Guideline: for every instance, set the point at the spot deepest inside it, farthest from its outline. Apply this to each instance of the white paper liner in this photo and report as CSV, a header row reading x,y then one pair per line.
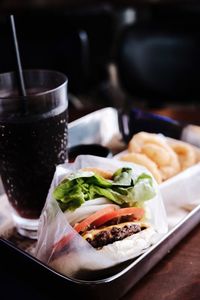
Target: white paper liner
x,y
181,194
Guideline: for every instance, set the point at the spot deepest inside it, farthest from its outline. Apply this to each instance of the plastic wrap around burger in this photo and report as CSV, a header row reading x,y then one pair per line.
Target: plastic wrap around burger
x,y
105,207
99,212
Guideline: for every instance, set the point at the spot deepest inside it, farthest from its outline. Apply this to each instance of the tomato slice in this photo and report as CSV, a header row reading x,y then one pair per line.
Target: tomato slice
x,y
84,225
136,212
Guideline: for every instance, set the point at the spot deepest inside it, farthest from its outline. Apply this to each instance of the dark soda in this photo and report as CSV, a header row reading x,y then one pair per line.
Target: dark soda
x,y
30,150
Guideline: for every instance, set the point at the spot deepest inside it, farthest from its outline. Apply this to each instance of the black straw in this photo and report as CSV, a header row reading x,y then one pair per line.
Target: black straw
x,y
22,89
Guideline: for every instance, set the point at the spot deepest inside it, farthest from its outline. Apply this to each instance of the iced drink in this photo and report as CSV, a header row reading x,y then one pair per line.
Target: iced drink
x,y
32,143
29,152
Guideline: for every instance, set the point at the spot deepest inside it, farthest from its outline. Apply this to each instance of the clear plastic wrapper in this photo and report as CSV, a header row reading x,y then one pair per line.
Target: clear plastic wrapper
x,y
77,256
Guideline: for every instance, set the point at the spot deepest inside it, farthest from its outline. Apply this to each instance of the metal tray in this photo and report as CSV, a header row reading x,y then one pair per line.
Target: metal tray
x,y
28,274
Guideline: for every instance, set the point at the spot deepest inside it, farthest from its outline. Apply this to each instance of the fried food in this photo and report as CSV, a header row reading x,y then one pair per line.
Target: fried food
x,y
157,149
168,171
163,157
172,168
158,154
140,139
186,154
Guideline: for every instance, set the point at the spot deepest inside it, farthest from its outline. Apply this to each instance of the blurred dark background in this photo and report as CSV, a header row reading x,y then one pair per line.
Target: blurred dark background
x,y
117,53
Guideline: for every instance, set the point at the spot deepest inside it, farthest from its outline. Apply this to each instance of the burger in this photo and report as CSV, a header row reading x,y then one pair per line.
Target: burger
x,y
107,209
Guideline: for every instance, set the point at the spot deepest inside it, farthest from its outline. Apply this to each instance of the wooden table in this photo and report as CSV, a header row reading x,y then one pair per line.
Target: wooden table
x,y
186,114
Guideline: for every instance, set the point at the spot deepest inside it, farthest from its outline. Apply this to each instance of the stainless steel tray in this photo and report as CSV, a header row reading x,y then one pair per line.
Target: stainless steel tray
x,y
102,127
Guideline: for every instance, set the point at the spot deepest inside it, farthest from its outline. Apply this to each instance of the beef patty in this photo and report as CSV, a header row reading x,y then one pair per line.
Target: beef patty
x,y
108,235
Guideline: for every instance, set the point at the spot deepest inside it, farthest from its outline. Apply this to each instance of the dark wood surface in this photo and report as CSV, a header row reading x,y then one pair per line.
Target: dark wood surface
x,y
188,114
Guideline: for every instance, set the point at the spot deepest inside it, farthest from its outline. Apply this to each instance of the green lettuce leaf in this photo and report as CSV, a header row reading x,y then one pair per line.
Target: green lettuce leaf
x,y
123,190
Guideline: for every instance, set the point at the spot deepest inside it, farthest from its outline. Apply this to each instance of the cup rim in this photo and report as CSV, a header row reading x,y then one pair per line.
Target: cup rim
x,y
65,82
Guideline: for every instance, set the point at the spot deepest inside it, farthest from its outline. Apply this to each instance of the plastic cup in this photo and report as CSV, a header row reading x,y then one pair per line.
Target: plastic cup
x,y
33,141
